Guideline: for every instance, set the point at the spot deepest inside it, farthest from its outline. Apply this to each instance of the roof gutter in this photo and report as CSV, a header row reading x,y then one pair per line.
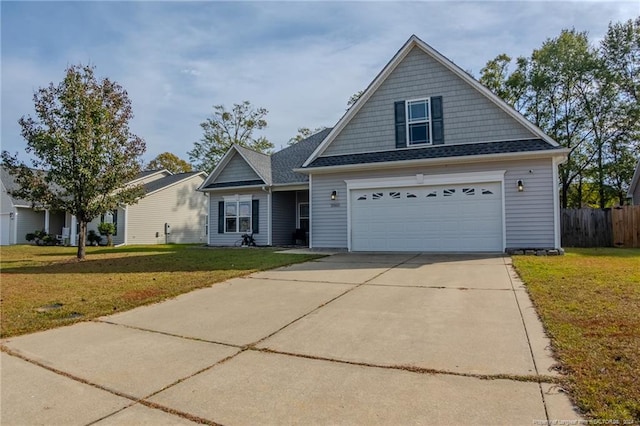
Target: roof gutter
x,y
555,153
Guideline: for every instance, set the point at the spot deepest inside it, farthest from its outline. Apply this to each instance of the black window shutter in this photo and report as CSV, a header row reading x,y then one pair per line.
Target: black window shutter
x,y
401,125
255,216
220,217
437,125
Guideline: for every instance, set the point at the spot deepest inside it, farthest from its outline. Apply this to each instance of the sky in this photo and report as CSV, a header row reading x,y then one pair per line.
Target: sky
x,y
299,60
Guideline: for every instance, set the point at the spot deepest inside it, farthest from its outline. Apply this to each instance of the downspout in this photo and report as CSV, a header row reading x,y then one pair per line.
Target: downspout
x,y
268,191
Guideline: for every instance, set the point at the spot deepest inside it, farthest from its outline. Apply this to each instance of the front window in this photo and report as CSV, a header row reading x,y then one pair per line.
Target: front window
x,y
418,122
303,216
237,216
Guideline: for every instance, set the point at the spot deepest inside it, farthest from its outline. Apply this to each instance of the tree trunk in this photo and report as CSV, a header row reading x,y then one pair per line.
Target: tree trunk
x,y
109,240
82,240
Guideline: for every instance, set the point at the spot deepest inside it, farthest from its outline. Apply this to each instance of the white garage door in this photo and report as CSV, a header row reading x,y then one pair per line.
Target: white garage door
x,y
447,218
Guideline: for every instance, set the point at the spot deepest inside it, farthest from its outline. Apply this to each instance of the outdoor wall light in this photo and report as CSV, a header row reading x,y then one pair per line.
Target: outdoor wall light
x,y
520,185
334,195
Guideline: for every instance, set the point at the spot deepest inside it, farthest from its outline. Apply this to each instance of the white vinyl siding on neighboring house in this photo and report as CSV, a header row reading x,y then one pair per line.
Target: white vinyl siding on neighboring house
x,y
180,205
469,117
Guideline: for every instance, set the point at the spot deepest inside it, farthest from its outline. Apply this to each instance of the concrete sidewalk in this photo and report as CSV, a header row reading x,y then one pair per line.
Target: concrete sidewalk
x,y
348,339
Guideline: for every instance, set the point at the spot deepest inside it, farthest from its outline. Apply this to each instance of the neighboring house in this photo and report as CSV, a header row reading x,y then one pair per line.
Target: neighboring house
x,y
18,217
634,187
427,159
171,211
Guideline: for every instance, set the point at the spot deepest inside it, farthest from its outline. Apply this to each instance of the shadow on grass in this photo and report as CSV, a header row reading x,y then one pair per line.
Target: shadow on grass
x,y
166,259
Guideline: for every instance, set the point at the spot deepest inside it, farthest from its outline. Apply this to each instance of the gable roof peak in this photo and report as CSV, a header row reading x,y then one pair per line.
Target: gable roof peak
x,y
415,42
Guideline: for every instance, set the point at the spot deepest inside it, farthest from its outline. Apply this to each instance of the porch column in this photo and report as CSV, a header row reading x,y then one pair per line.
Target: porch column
x,y
46,221
74,235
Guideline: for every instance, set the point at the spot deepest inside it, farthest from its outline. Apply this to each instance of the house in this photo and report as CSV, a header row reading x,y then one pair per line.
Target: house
x,y
171,211
427,159
634,187
18,217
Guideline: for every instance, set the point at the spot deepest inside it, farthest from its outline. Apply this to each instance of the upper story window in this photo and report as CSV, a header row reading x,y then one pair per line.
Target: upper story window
x,y
418,122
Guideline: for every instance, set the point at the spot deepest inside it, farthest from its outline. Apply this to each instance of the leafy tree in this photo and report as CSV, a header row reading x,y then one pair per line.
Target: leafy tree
x,y
108,229
226,128
80,139
169,161
303,133
586,99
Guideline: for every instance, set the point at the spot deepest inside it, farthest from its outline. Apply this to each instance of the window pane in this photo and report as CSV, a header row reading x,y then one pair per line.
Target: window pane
x,y
231,209
245,224
304,224
231,224
418,110
245,208
418,133
304,210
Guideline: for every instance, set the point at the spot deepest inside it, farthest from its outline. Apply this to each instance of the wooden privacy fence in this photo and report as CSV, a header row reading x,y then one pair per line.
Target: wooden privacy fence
x,y
614,227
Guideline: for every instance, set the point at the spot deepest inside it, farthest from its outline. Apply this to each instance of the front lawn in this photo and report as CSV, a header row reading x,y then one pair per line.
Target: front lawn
x,y
589,302
45,287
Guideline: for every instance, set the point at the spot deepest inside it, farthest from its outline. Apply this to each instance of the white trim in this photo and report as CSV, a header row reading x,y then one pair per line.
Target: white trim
x,y
231,188
504,215
47,218
226,158
428,180
310,211
557,241
426,121
559,153
414,41
298,204
238,199
209,218
125,232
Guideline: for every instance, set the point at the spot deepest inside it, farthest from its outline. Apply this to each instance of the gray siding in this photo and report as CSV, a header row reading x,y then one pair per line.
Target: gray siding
x,y
180,205
216,239
119,237
468,115
236,170
28,220
283,217
528,214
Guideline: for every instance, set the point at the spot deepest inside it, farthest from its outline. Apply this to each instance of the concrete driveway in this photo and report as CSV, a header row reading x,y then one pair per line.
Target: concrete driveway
x,y
348,339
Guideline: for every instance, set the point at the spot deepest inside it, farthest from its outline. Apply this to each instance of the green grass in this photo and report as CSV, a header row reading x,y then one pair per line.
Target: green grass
x,y
112,279
589,302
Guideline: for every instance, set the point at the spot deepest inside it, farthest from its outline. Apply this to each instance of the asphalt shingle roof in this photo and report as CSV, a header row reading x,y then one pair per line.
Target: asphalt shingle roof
x,y
283,162
442,151
260,162
166,181
10,184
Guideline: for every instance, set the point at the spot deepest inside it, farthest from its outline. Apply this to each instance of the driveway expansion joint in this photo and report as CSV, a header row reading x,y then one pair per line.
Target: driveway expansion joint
x,y
420,370
134,400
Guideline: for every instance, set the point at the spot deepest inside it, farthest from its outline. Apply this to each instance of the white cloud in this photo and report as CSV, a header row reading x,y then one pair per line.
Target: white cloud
x,y
301,61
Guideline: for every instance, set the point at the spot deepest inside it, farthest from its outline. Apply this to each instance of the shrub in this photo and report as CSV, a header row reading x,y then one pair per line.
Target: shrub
x,y
93,238
107,229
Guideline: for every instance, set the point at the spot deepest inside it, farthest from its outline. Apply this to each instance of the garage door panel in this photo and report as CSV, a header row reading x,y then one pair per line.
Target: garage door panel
x,y
465,217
